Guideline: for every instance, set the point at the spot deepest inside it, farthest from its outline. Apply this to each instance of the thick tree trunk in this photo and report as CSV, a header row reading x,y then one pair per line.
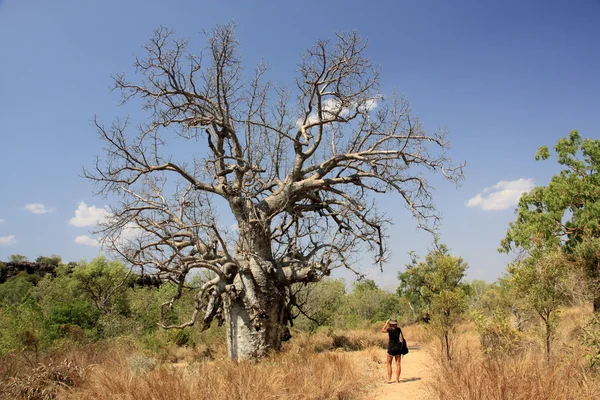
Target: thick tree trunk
x,y
253,336
255,312
255,304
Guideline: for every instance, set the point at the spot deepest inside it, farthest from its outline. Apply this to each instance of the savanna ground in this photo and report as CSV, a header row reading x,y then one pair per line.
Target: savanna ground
x,y
326,365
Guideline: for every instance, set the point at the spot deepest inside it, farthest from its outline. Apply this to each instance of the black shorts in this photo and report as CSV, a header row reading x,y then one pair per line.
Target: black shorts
x,y
394,352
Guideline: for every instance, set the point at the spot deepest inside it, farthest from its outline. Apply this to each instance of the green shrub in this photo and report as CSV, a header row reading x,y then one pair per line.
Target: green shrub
x,y
590,340
21,330
16,290
78,313
498,336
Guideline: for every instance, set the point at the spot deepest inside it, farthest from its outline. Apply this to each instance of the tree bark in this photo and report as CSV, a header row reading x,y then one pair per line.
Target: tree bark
x,y
255,315
447,343
253,336
597,303
548,340
596,287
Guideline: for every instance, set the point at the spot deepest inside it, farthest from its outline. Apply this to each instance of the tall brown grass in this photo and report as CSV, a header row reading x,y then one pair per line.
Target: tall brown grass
x,y
310,367
286,376
524,376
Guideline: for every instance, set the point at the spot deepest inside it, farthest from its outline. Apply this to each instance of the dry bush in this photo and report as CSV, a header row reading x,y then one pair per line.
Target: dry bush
x,y
523,378
572,321
139,364
374,355
42,382
359,339
303,342
524,375
331,340
22,378
9,366
498,336
416,334
202,352
284,376
121,369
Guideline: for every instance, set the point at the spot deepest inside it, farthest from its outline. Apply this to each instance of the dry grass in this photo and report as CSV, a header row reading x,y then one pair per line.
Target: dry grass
x,y
416,334
310,367
524,376
353,340
317,366
307,375
331,340
42,382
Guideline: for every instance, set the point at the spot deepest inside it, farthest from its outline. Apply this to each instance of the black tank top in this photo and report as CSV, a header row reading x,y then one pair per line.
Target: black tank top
x,y
394,343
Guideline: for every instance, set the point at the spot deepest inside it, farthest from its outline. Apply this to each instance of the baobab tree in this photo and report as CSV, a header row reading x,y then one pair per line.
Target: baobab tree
x,y
264,186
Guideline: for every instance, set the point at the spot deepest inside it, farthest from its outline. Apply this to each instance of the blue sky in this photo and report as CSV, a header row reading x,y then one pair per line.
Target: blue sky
x,y
502,77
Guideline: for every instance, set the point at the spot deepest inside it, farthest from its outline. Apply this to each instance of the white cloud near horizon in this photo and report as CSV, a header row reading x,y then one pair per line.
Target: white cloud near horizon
x,y
88,215
502,195
85,240
38,208
8,240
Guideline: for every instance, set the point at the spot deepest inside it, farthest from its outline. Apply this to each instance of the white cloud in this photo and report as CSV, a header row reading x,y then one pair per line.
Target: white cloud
x,y
2,221
38,208
370,104
333,106
85,240
502,195
88,215
8,240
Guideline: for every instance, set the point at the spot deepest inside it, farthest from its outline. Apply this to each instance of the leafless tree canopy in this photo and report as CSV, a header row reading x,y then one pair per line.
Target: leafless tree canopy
x,y
296,167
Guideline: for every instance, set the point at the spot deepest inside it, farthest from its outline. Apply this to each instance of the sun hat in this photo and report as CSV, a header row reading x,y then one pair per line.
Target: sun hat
x,y
393,321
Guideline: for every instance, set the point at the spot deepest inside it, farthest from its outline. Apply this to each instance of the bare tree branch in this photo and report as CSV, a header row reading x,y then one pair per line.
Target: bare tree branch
x,y
262,185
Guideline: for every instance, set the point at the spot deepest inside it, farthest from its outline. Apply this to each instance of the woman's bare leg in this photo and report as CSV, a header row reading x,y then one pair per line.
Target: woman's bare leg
x,y
398,367
389,368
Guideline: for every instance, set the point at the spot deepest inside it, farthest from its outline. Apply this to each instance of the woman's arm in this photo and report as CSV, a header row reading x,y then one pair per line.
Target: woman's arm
x,y
384,329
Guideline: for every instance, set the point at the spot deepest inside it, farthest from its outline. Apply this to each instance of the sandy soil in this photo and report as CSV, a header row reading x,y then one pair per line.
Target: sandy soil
x,y
416,372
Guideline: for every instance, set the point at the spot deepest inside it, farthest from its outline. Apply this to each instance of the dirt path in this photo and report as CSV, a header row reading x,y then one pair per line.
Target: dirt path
x,y
416,372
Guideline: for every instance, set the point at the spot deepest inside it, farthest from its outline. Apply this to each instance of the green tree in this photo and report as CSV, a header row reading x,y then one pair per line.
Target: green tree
x,y
319,303
145,306
414,286
477,290
543,281
436,286
54,259
21,329
64,307
103,282
61,318
17,258
16,290
503,299
368,302
566,212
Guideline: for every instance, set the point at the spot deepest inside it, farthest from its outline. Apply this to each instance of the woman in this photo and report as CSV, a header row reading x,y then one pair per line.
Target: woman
x,y
394,347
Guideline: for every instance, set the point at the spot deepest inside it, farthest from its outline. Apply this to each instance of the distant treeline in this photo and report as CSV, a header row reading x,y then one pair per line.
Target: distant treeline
x,y
10,269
